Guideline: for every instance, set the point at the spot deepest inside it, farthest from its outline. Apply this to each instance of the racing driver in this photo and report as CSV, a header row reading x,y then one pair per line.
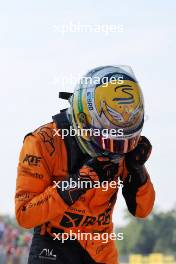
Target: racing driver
x,y
109,101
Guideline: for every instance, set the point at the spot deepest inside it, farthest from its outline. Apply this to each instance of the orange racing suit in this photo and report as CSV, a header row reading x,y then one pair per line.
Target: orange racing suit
x,y
46,158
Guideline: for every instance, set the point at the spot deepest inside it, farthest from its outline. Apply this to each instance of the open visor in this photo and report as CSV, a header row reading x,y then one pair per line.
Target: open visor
x,y
115,145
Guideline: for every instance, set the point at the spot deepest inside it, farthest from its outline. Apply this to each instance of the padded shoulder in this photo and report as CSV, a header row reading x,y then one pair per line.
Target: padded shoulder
x,y
29,134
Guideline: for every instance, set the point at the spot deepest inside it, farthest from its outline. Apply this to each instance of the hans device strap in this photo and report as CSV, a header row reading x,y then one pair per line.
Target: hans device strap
x,y
65,95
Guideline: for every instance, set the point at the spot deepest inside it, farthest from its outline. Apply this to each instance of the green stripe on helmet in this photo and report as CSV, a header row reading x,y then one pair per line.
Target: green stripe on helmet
x,y
80,105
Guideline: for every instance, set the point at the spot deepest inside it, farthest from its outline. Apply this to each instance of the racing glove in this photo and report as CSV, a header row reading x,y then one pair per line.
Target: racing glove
x,y
83,180
135,162
105,169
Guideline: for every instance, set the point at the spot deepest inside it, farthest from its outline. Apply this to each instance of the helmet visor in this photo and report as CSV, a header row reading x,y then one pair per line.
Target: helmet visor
x,y
113,145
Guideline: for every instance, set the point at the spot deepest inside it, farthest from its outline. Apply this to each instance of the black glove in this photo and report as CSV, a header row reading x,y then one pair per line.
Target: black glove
x,y
105,169
135,160
93,170
140,154
77,184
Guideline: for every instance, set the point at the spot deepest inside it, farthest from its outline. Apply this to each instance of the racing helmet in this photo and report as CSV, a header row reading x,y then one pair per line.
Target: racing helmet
x,y
107,99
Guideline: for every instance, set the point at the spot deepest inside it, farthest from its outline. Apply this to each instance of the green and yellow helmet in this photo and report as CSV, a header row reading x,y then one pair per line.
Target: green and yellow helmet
x,y
108,98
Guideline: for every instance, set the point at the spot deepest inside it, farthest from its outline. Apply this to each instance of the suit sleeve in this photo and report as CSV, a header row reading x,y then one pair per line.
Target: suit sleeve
x,y
139,193
36,199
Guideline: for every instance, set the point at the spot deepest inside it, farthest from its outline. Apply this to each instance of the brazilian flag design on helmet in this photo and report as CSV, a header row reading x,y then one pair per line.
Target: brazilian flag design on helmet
x,y
108,98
